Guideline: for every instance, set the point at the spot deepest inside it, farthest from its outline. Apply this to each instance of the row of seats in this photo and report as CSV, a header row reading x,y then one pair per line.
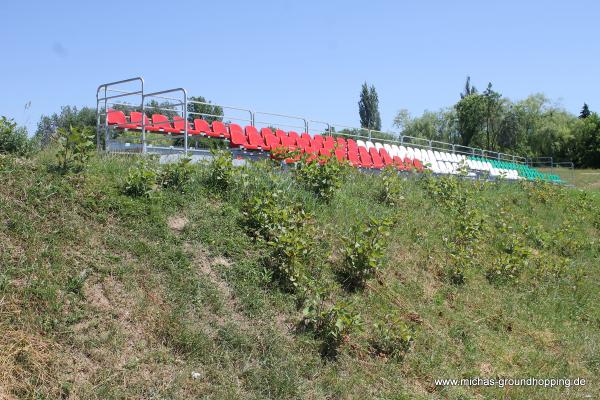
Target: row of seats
x,y
359,153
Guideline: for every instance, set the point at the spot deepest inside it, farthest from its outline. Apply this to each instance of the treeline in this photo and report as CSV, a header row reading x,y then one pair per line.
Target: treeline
x,y
533,127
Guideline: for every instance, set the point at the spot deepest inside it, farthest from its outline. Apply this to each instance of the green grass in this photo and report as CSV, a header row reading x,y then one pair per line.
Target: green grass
x,y
588,179
105,296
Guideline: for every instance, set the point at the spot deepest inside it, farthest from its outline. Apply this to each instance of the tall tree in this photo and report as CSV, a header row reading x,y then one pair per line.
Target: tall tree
x,y
493,116
68,116
368,108
585,111
470,112
204,109
469,89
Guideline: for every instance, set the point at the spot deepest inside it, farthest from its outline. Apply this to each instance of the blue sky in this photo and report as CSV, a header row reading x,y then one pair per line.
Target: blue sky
x,y
305,58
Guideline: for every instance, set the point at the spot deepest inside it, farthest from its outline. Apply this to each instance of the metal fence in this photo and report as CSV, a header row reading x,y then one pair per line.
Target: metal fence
x,y
112,94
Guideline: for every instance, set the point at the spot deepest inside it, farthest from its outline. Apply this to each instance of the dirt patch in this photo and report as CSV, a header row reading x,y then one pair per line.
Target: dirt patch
x,y
177,223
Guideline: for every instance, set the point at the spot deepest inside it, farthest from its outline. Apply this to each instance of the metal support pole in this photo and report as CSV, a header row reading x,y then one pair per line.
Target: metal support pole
x,y
185,123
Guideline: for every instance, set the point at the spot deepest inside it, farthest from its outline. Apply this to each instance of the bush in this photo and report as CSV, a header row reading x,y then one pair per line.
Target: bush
x,y
141,180
510,263
332,324
285,229
391,187
220,171
392,337
364,251
322,175
13,139
76,147
177,175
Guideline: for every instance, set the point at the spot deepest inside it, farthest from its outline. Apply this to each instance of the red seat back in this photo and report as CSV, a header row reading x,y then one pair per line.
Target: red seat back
x,y
387,159
162,122
365,158
115,117
220,129
202,126
237,135
254,137
294,137
352,146
376,158
341,143
178,123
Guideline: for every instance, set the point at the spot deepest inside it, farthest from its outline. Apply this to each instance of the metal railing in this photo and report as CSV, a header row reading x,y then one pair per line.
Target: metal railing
x,y
269,119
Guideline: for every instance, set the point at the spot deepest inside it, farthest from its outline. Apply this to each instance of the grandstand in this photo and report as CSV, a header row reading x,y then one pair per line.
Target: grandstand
x,y
129,119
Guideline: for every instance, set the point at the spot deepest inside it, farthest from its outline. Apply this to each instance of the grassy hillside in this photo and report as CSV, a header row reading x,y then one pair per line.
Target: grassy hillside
x,y
202,290
582,178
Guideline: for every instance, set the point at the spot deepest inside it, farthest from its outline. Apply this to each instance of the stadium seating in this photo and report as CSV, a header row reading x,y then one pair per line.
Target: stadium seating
x,y
358,152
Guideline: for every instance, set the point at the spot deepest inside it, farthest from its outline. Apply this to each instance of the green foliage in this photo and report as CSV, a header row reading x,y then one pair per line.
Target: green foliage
x,y
220,171
392,337
13,139
285,228
368,108
364,251
68,117
322,176
391,187
76,147
176,176
206,111
141,180
470,112
514,255
331,324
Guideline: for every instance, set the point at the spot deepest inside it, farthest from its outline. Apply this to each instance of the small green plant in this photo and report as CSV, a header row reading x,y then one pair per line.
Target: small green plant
x,y
286,230
13,139
322,175
220,171
363,252
76,147
392,337
391,187
141,181
510,263
176,176
331,324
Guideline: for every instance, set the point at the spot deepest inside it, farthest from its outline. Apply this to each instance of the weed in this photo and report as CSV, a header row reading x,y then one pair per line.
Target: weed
x,y
220,171
391,187
331,324
176,176
76,147
364,251
141,180
322,175
392,337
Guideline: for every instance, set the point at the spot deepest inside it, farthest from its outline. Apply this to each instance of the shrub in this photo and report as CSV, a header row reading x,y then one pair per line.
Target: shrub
x,y
391,187
364,252
141,180
220,171
330,324
322,175
392,337
76,147
285,229
177,175
510,263
13,139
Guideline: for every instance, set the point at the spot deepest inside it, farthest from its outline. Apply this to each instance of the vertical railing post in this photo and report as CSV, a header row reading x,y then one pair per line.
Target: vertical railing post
x,y
185,123
143,122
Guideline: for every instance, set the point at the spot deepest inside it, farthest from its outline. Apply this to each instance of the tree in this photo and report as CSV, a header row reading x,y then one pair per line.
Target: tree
x,y
470,112
368,108
69,117
585,111
468,89
434,125
206,110
587,134
493,116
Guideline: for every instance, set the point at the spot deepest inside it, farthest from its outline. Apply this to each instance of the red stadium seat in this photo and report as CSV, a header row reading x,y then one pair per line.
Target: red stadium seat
x,y
270,139
238,138
341,143
352,146
418,165
377,161
408,163
178,124
286,141
162,123
114,117
340,154
135,117
329,142
202,127
255,139
294,136
354,159
317,142
220,130
304,140
387,159
365,158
